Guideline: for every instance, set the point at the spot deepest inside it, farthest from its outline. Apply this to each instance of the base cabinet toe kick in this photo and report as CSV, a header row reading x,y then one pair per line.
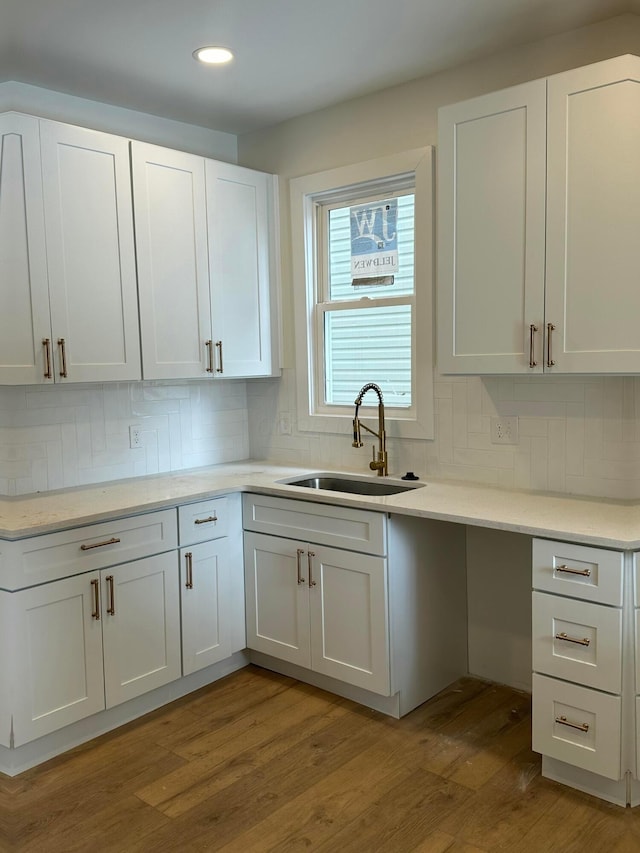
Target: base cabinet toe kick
x,y
586,668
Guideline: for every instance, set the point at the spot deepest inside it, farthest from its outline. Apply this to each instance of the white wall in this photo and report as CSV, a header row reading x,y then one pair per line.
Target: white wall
x,y
578,435
58,106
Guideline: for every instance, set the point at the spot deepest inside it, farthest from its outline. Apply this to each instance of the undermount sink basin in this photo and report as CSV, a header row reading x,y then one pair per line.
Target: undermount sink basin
x,y
352,485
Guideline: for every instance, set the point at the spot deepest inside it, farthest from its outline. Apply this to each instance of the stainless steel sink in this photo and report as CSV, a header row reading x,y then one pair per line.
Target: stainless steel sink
x,y
352,485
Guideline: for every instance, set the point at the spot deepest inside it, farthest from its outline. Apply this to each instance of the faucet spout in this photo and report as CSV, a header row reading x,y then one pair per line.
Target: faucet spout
x,y
378,463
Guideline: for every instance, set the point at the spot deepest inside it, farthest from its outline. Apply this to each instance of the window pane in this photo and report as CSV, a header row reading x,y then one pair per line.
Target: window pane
x,y
368,345
340,278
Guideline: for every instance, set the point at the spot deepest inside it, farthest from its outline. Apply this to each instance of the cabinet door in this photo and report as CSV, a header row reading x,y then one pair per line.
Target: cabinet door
x,y
593,218
141,626
57,650
491,220
92,275
349,617
173,270
277,597
206,605
238,205
24,294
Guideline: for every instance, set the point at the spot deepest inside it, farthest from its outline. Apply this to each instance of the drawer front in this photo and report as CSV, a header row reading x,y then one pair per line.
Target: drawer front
x,y
577,725
96,546
337,526
593,574
577,641
202,521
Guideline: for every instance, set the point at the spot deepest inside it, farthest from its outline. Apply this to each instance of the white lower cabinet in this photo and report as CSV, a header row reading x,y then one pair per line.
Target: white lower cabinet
x,y
211,582
321,608
581,669
354,600
206,620
92,641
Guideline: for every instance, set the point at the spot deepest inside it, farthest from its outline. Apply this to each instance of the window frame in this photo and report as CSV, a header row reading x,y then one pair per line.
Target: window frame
x,y
387,175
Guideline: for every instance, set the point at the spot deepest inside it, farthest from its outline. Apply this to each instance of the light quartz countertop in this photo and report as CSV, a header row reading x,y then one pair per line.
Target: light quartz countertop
x,y
611,524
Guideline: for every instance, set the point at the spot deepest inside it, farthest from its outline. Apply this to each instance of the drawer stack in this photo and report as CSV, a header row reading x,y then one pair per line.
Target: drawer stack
x,y
577,655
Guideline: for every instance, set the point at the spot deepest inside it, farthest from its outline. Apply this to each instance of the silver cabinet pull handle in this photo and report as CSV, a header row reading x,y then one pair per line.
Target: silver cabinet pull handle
x,y
299,553
63,357
111,609
585,641
582,727
584,573
46,343
209,346
211,518
188,558
219,348
96,599
532,330
113,541
310,556
550,328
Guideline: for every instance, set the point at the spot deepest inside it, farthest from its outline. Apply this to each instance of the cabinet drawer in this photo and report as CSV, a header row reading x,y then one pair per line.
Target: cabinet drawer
x,y
203,521
577,641
337,526
83,549
577,725
593,574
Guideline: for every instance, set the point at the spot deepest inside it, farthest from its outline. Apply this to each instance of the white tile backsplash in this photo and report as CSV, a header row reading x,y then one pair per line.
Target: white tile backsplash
x,y
53,437
577,435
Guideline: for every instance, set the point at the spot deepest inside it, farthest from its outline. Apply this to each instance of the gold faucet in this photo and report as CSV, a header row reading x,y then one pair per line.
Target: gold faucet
x,y
379,464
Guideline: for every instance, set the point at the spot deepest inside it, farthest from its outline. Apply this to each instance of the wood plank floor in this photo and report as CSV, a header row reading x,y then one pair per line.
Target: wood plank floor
x,y
259,762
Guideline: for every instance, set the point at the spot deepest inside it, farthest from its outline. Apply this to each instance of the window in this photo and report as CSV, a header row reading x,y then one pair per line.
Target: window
x,y
362,239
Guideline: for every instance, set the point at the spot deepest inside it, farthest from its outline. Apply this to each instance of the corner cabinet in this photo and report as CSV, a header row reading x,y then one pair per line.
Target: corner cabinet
x,y
206,238
530,281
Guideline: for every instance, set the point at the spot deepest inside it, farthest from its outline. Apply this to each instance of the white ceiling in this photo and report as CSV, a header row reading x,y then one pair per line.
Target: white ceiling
x,y
292,56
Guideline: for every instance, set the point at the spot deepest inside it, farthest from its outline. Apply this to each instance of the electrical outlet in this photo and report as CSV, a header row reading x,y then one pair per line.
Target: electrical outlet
x,y
284,423
135,436
504,430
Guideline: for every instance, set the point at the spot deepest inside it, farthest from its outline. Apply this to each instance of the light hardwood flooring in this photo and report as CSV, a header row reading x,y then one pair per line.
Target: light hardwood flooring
x,y
259,762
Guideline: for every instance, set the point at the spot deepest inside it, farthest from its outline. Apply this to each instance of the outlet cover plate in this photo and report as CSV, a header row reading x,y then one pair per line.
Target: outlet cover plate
x,y
504,430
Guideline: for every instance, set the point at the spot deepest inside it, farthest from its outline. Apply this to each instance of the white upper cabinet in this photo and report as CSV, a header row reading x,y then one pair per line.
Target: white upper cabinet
x,y
90,254
498,154
491,218
593,218
24,294
241,252
173,270
204,238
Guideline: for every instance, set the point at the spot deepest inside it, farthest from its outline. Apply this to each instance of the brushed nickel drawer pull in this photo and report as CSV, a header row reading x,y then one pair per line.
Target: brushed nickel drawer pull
x,y
584,642
310,556
46,343
63,357
113,541
219,348
111,609
96,600
299,553
188,558
532,330
211,518
582,727
585,573
550,328
209,346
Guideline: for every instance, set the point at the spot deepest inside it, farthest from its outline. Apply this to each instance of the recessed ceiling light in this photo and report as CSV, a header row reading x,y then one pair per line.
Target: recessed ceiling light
x,y
213,55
